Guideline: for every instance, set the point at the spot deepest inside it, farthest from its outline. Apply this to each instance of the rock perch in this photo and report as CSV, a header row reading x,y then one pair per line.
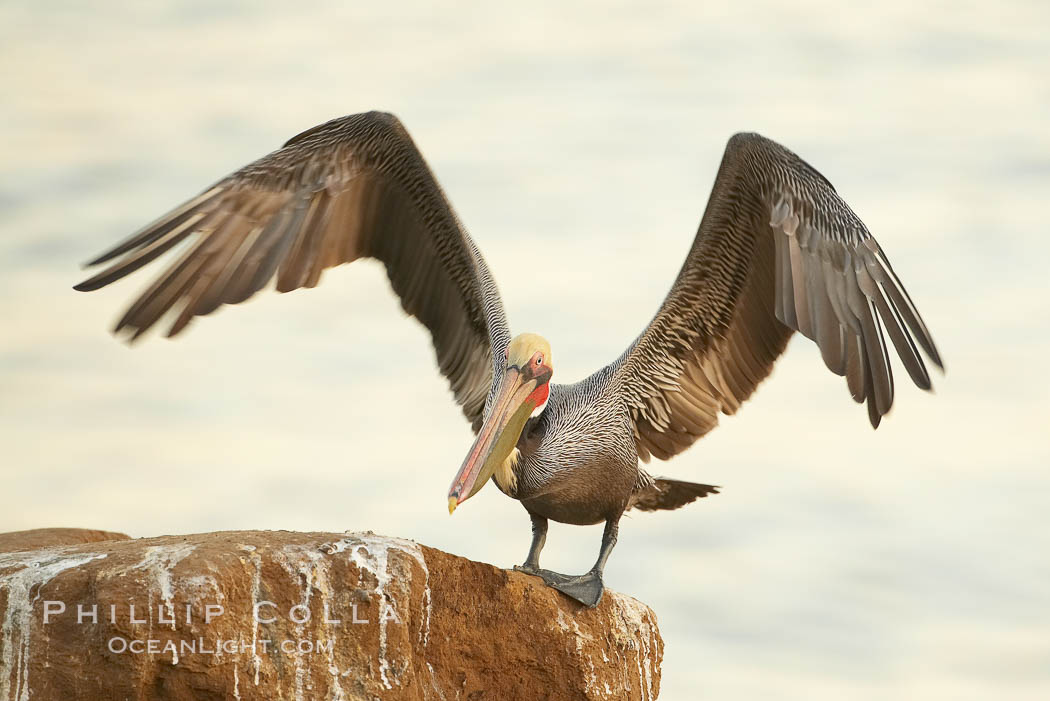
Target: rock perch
x,y
280,615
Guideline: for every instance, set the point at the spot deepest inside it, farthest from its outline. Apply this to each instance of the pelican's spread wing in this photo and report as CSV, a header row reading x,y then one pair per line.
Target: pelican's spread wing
x,y
350,188
777,251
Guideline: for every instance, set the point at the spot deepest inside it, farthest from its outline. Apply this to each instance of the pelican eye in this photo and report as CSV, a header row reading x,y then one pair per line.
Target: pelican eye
x,y
539,360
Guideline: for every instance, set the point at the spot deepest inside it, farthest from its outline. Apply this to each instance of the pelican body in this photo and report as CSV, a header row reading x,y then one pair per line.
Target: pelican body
x,y
777,251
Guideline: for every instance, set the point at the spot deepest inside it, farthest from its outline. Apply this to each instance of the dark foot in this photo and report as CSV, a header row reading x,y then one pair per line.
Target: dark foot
x,y
585,588
551,578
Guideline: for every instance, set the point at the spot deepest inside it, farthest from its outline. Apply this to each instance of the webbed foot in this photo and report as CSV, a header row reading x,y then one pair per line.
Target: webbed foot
x,y
551,578
585,588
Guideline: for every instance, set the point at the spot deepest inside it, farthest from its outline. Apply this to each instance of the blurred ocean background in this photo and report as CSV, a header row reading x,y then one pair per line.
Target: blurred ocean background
x,y
911,562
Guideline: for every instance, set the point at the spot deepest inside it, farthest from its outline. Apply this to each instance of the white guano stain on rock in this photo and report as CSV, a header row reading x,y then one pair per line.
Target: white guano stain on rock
x,y
198,591
633,630
256,586
433,683
634,623
159,560
310,567
579,638
304,564
370,552
202,588
35,569
562,622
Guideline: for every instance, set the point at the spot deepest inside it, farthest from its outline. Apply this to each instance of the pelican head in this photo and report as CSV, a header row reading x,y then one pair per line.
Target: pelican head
x,y
522,393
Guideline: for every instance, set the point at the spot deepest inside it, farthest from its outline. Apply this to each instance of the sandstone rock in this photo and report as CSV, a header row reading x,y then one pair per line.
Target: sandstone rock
x,y
46,537
279,615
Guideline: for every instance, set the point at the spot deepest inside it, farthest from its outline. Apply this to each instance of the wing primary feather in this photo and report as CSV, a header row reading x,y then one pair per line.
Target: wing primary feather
x,y
902,341
159,226
874,415
163,293
798,281
879,370
830,339
206,279
141,257
266,254
827,328
910,314
835,285
814,291
782,277
297,266
216,293
855,363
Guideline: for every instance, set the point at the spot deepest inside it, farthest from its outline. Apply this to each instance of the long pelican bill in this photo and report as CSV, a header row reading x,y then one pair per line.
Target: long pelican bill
x,y
498,436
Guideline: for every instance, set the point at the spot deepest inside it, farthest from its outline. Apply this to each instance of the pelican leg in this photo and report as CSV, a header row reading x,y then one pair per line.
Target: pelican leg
x,y
586,588
532,561
539,538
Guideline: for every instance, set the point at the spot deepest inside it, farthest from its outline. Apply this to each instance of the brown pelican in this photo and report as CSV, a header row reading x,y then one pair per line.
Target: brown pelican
x,y
777,251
